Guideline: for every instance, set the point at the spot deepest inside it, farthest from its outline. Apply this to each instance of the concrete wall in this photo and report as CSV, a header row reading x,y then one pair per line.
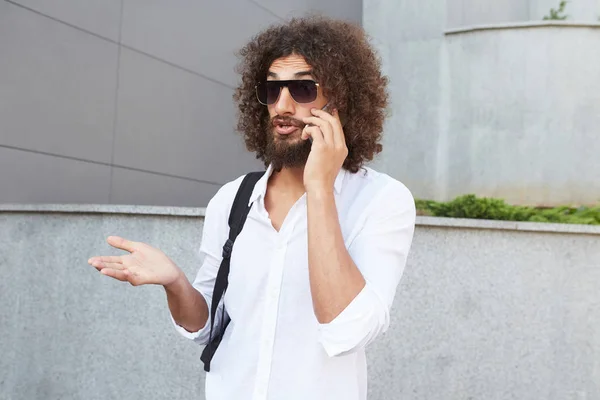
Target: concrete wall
x,y
127,101
474,12
409,36
510,110
524,115
485,310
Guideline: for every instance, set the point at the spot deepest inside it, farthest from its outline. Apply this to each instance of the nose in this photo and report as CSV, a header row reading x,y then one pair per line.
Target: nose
x,y
285,103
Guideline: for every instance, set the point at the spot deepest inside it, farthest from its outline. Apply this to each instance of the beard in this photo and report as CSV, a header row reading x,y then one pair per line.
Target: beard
x,y
286,151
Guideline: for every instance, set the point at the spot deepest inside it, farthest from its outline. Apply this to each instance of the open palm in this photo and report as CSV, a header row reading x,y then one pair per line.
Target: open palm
x,y
143,265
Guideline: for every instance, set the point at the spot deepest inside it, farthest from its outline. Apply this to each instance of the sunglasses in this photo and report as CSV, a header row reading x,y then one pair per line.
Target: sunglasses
x,y
302,91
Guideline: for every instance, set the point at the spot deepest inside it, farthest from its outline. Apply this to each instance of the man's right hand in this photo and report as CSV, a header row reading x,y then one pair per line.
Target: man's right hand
x,y
143,265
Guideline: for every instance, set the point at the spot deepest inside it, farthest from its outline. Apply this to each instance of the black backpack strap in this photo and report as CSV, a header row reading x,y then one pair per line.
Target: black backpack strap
x,y
237,218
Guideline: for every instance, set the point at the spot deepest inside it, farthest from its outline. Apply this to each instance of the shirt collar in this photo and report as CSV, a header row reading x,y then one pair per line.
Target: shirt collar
x,y
260,189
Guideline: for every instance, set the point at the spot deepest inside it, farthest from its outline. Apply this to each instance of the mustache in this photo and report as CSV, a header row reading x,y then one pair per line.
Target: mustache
x,y
287,121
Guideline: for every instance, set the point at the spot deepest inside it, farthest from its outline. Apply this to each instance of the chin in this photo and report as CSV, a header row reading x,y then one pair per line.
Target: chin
x,y
295,137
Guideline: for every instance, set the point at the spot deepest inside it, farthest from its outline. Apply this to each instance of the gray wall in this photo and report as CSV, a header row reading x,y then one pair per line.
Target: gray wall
x,y
510,111
476,12
127,101
485,310
524,115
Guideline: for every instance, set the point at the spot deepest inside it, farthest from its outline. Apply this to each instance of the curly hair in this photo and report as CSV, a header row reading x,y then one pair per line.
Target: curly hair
x,y
345,66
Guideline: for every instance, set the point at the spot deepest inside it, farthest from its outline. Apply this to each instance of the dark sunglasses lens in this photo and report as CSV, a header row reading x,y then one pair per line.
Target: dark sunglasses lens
x,y
303,91
268,92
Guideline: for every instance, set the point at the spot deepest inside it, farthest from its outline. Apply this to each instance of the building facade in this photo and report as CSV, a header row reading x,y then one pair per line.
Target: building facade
x,y
127,101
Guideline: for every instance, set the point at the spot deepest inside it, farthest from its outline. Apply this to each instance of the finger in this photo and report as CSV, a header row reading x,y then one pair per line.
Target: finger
x,y
336,124
121,275
101,265
324,126
123,244
332,118
105,259
338,139
313,132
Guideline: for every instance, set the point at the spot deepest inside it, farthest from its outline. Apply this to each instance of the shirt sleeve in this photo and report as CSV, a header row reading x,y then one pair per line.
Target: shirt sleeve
x,y
214,234
204,283
380,251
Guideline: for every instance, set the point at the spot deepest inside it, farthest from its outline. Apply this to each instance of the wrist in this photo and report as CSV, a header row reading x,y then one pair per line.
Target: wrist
x,y
319,189
178,283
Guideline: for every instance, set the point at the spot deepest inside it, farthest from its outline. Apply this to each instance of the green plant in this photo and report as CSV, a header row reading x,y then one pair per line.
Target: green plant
x,y
556,14
471,206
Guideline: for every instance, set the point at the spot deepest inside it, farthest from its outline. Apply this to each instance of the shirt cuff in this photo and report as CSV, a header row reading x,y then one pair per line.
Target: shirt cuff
x,y
356,326
200,336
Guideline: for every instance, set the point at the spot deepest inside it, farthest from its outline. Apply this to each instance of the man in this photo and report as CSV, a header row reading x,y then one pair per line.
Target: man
x,y
316,266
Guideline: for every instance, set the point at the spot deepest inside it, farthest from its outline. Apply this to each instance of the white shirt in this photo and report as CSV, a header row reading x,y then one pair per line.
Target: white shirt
x,y
274,348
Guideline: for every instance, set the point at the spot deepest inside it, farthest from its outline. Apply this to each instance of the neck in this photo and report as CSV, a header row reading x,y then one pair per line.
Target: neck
x,y
290,180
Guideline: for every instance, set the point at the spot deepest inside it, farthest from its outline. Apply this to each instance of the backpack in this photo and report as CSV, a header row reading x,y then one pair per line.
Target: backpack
x,y
237,218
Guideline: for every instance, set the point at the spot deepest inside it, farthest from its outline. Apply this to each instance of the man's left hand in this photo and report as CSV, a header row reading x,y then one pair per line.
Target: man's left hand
x,y
328,150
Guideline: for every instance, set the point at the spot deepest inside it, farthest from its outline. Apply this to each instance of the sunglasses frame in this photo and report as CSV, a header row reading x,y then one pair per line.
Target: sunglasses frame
x,y
281,88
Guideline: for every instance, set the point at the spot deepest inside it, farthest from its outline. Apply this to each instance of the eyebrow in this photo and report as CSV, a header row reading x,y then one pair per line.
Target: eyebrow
x,y
300,74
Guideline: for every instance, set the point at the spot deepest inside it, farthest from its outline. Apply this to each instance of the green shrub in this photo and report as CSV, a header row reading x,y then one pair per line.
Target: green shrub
x,y
557,14
471,206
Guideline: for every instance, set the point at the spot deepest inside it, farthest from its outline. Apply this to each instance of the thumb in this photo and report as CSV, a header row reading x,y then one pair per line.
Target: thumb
x,y
120,243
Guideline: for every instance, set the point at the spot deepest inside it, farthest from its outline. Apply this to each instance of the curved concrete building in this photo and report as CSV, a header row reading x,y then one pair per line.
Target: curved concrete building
x,y
491,99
